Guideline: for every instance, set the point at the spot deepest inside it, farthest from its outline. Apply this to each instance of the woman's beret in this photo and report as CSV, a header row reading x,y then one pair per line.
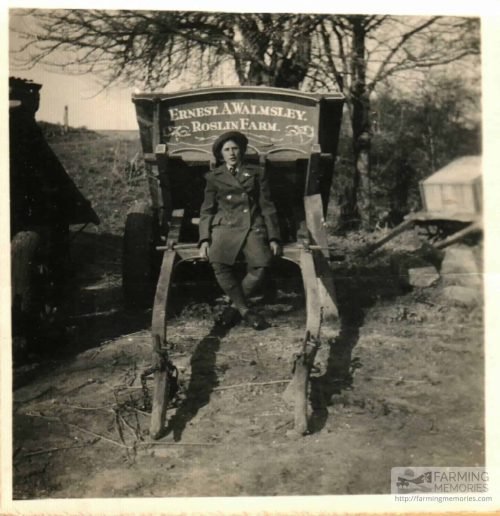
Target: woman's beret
x,y
239,138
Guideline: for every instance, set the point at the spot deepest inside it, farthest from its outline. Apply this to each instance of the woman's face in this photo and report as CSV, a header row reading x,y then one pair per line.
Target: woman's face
x,y
231,153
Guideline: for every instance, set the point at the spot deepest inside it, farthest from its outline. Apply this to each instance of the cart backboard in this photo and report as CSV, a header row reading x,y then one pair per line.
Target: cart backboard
x,y
284,128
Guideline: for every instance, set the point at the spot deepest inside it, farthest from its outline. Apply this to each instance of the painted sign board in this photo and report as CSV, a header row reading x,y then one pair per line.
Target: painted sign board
x,y
274,120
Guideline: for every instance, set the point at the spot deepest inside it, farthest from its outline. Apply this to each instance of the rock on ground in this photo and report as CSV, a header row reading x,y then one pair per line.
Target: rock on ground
x,y
423,276
463,296
461,266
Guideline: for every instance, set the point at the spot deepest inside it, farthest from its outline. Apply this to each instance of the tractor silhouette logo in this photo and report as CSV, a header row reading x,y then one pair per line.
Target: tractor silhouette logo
x,y
411,483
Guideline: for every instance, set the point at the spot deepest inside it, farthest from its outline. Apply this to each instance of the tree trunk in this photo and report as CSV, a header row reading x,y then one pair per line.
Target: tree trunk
x,y
362,178
287,76
400,192
361,130
284,71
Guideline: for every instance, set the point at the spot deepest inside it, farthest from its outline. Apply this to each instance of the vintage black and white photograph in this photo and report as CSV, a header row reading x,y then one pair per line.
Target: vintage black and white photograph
x,y
246,253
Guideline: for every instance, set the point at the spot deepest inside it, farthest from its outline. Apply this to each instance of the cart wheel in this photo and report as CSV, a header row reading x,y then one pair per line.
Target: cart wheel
x,y
38,320
138,278
27,277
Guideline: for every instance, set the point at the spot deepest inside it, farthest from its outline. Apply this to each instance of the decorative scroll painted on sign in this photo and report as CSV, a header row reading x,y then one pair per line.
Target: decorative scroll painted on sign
x,y
265,122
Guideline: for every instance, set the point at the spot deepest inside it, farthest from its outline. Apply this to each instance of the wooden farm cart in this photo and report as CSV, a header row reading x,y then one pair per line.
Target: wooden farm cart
x,y
452,202
294,136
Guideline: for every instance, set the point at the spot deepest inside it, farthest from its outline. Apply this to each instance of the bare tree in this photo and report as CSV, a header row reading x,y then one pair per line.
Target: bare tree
x,y
155,47
352,54
359,52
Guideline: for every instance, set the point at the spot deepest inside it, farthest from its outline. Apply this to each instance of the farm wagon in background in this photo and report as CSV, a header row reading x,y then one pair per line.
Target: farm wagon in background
x,y
293,135
452,205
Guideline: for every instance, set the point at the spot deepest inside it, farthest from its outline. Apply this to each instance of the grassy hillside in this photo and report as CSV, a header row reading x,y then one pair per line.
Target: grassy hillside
x,y
100,166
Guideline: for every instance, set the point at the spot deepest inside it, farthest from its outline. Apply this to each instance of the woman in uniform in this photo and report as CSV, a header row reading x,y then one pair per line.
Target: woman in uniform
x,y
238,219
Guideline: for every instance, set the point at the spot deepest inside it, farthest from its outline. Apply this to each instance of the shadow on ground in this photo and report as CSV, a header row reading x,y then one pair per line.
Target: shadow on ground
x,y
358,288
203,381
95,309
90,312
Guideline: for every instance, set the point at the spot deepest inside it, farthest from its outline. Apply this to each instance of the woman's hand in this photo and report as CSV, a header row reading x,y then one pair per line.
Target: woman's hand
x,y
204,250
275,248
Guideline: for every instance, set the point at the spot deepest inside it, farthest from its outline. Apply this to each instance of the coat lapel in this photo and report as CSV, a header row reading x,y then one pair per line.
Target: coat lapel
x,y
224,176
245,177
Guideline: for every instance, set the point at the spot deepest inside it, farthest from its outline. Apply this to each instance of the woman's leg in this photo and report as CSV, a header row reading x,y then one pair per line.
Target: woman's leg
x,y
253,279
226,278
229,283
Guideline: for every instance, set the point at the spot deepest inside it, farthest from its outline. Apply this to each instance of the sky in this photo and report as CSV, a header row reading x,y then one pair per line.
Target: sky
x,y
88,105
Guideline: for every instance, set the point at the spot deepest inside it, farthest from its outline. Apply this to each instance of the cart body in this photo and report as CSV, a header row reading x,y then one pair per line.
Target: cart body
x,y
294,136
284,128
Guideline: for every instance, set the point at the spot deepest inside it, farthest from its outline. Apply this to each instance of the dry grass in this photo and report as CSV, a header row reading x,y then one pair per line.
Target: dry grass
x,y
100,167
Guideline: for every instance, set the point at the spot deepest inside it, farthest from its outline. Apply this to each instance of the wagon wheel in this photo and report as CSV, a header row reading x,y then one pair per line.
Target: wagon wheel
x,y
24,256
33,310
436,230
139,271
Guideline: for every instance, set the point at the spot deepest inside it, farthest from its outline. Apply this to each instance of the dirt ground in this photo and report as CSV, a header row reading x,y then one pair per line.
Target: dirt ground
x,y
399,381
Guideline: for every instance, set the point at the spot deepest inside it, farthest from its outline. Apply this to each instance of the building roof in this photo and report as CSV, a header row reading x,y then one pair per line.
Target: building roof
x,y
462,170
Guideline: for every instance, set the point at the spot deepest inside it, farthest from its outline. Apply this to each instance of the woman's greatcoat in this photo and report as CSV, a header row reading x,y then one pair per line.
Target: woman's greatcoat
x,y
238,214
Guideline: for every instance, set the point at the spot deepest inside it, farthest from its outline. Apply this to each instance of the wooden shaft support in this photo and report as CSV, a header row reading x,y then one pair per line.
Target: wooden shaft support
x,y
159,330
306,357
459,235
320,305
395,232
159,341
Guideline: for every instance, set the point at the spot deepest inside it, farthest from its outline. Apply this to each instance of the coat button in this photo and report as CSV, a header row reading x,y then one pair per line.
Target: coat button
x,y
228,197
245,210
